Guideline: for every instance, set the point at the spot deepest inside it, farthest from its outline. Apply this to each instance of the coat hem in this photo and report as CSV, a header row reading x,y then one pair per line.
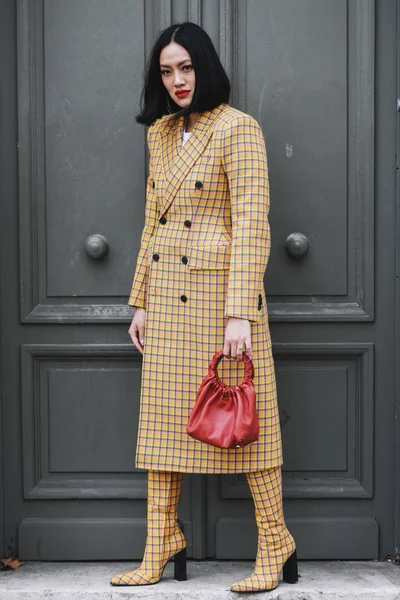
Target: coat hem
x,y
174,468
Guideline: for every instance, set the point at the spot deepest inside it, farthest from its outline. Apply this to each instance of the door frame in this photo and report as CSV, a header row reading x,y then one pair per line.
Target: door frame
x,y
9,195
396,474
8,75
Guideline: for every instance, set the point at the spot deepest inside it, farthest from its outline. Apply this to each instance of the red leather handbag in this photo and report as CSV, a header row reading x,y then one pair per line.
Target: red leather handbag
x,y
225,416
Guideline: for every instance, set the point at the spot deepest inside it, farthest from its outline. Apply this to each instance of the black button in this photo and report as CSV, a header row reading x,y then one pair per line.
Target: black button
x,y
183,298
163,220
154,185
156,257
184,260
198,185
188,223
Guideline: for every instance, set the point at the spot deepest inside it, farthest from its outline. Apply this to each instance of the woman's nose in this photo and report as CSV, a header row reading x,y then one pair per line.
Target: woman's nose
x,y
178,78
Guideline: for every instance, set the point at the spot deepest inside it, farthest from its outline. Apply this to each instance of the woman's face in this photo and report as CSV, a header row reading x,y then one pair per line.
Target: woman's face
x,y
177,74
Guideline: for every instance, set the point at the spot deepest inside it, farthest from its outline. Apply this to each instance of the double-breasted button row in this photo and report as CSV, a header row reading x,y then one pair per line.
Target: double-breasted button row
x,y
186,223
184,259
198,185
156,258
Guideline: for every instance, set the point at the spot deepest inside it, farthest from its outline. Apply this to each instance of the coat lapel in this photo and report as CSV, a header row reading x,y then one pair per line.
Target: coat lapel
x,y
177,160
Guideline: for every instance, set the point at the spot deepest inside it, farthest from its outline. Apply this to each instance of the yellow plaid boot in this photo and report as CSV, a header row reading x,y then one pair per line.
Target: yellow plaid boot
x,y
276,546
165,539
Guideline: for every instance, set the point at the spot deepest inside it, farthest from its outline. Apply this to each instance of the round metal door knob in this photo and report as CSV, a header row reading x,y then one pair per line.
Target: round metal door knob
x,y
96,246
297,245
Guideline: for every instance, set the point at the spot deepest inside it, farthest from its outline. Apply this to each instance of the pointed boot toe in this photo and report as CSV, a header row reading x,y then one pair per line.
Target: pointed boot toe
x,y
135,577
237,586
116,579
253,583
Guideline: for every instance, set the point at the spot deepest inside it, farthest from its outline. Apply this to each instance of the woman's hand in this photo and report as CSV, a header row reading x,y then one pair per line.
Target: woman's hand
x,y
136,330
237,335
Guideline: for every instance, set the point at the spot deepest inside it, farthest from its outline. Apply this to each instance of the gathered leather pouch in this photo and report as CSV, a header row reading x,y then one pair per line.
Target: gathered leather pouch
x,y
225,416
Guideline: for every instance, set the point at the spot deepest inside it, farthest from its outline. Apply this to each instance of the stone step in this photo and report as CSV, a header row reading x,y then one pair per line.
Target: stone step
x,y
209,580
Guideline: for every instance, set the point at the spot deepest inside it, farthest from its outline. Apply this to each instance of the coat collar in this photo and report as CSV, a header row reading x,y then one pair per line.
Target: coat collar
x,y
175,122
177,160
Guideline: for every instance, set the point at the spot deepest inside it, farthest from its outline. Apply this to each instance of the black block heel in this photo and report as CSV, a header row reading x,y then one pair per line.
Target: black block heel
x,y
290,571
180,566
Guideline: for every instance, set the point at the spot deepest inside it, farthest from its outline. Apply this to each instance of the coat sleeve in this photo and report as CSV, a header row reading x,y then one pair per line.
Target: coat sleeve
x,y
139,286
245,164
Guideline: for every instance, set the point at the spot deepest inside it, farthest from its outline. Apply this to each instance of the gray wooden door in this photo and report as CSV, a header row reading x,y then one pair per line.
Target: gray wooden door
x,y
307,70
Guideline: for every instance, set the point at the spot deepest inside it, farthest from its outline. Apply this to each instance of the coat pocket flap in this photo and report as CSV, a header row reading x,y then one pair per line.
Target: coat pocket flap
x,y
209,257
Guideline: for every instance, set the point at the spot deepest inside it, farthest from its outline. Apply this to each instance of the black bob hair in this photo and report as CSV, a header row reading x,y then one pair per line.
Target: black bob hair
x,y
212,83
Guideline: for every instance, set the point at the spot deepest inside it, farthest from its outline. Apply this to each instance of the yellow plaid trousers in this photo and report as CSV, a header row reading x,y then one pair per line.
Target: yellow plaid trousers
x,y
203,254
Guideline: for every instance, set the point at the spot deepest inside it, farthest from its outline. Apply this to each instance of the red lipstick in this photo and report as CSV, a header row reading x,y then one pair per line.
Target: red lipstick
x,y
182,94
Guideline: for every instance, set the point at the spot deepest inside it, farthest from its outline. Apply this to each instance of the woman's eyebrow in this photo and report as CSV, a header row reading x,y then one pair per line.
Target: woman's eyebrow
x,y
179,64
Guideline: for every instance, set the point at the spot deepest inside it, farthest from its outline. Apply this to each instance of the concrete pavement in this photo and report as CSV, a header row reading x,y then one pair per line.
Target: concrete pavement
x,y
210,580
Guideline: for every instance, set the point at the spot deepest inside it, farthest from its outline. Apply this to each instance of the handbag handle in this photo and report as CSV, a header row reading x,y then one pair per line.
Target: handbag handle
x,y
248,363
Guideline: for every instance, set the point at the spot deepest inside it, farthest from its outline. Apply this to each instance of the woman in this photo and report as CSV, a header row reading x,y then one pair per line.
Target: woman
x,y
198,286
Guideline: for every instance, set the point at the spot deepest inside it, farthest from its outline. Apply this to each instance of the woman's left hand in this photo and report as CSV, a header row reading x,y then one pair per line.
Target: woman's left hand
x,y
238,339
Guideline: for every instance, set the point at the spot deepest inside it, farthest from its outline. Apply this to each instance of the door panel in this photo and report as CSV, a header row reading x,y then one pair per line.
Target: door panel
x,y
308,78
307,96
80,79
79,423
300,95
82,172
91,89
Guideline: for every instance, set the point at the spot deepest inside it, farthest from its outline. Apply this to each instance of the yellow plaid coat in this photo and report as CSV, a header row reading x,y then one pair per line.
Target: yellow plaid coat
x,y
204,250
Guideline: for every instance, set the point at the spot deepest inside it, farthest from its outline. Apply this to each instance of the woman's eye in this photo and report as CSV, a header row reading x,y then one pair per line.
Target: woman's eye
x,y
164,72
188,67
